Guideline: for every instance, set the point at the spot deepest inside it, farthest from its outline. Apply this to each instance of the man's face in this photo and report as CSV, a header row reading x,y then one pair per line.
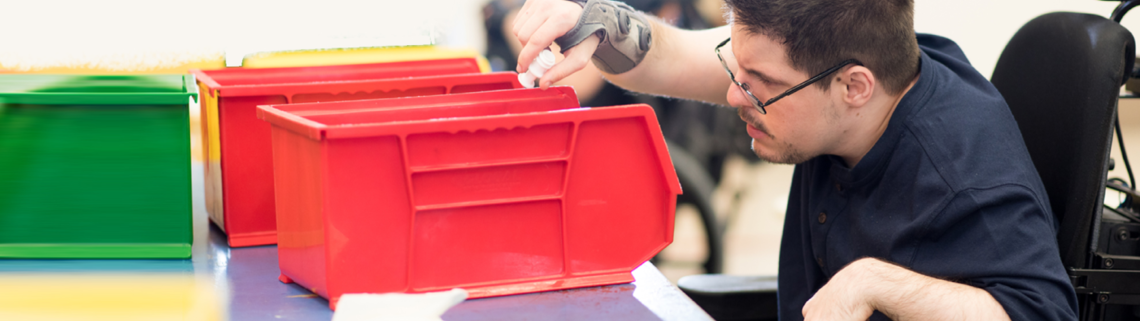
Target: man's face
x,y
797,127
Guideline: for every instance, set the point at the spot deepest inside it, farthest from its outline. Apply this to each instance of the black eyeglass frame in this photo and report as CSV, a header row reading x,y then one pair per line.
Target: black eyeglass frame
x,y
756,101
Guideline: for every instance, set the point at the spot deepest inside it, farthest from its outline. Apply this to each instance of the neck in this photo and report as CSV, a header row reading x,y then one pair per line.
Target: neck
x,y
867,132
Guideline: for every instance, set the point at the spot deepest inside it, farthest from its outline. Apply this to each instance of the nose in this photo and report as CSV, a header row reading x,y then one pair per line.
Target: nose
x,y
736,98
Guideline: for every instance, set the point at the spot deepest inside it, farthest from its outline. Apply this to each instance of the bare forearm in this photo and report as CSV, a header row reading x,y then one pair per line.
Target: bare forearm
x,y
680,63
905,295
867,285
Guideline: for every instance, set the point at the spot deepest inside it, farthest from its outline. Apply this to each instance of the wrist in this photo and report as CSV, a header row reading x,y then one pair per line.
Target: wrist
x,y
870,275
624,35
879,279
889,285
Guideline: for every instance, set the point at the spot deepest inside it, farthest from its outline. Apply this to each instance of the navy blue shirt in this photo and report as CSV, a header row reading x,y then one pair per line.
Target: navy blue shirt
x,y
948,191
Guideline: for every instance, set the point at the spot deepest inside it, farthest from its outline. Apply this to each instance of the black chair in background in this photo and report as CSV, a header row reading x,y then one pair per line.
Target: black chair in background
x,y
1061,75
698,188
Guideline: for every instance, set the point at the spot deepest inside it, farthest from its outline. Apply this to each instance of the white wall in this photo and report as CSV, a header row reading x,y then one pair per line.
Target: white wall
x,y
41,32
982,27
45,33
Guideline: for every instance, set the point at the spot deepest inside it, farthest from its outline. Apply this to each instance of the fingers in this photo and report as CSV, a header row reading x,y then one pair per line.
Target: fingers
x,y
540,40
808,308
527,55
576,59
524,13
554,27
533,24
530,16
538,23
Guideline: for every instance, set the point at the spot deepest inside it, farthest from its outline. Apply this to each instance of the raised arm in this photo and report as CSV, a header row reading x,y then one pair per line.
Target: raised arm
x,y
679,63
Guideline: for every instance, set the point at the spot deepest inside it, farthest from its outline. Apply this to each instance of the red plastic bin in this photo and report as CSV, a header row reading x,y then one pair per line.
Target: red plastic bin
x,y
499,193
239,179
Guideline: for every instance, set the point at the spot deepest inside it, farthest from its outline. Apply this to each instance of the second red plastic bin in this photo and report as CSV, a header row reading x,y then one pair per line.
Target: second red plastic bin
x,y
499,193
239,176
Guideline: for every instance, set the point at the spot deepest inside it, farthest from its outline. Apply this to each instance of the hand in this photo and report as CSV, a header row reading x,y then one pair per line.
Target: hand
x,y
844,297
538,23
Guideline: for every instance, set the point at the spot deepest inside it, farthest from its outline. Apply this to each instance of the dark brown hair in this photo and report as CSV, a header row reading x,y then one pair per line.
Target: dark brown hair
x,y
821,33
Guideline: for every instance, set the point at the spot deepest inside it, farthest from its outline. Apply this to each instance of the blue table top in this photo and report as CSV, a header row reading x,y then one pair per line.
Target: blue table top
x,y
247,278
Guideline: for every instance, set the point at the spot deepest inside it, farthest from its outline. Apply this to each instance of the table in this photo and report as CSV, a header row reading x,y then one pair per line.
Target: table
x,y
246,278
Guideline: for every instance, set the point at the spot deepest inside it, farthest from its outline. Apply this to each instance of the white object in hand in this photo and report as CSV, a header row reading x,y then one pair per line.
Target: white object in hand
x,y
537,68
397,306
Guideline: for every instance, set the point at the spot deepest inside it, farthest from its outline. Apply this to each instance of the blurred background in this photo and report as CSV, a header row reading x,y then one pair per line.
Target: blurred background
x,y
749,198
122,33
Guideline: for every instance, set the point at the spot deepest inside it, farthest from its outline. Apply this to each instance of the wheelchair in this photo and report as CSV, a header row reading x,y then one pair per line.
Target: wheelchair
x,y
1064,71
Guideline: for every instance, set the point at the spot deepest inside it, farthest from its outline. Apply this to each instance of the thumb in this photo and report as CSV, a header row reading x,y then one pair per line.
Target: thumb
x,y
576,59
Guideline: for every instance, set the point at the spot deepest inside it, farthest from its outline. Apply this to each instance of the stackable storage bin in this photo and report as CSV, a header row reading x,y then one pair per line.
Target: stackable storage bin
x,y
95,166
239,175
499,193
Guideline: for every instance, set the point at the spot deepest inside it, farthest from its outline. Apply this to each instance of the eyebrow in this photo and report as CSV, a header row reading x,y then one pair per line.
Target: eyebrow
x,y
762,76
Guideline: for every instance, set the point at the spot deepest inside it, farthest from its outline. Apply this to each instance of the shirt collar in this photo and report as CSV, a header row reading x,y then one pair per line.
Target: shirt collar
x,y
872,164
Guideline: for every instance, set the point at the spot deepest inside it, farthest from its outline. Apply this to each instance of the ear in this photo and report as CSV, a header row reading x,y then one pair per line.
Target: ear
x,y
857,85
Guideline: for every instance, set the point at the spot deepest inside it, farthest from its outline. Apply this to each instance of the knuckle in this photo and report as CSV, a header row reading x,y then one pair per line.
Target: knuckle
x,y
581,60
566,24
544,37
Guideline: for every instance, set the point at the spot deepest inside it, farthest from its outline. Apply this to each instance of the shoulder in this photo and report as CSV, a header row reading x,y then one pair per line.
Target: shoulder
x,y
982,202
945,64
964,131
941,46
963,124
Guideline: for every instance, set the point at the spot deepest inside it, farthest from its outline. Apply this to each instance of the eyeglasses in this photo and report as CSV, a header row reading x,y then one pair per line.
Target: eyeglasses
x,y
756,101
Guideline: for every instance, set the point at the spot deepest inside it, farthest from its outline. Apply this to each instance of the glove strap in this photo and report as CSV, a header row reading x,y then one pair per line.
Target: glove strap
x,y
624,35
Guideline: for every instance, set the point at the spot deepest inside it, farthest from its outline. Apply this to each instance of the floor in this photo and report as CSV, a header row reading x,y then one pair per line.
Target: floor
x,y
751,200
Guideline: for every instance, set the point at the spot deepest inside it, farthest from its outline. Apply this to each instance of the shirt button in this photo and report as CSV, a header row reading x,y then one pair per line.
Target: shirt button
x,y
819,260
839,187
822,217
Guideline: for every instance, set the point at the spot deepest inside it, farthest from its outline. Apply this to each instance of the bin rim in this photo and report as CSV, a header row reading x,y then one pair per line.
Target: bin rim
x,y
207,77
342,86
321,132
186,90
295,116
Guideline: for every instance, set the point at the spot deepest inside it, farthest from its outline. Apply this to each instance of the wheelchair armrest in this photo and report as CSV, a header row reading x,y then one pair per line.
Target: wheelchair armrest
x,y
731,297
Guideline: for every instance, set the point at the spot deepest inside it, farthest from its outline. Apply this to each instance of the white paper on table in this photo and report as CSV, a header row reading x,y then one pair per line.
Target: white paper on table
x,y
397,306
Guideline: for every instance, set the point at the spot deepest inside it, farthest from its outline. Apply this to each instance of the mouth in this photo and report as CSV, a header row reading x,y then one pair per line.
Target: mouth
x,y
756,133
756,129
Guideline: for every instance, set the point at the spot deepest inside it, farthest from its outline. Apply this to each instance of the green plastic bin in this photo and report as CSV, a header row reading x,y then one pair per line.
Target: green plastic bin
x,y
95,166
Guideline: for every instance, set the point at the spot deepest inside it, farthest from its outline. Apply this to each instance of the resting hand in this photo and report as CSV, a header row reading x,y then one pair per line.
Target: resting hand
x,y
843,297
538,23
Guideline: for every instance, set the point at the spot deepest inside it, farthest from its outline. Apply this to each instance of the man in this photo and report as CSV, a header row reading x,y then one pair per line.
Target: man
x,y
913,198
